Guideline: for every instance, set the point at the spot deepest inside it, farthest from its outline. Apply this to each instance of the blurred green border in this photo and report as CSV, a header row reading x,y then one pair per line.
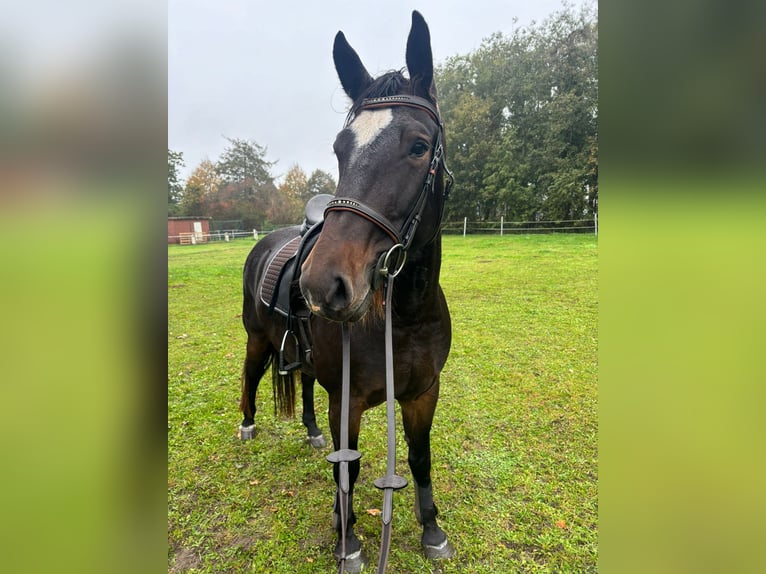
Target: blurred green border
x,y
681,306
681,374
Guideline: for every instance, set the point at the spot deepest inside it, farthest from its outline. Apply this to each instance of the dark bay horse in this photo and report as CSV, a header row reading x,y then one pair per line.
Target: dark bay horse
x,y
390,198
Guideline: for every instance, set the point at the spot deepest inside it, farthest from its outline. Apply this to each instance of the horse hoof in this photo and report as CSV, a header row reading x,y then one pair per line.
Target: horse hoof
x,y
441,551
246,433
356,562
317,441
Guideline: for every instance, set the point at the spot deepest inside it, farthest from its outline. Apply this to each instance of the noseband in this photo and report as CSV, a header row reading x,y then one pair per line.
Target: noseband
x,y
402,237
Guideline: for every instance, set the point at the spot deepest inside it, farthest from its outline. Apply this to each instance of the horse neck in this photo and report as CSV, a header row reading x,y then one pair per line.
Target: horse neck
x,y
416,287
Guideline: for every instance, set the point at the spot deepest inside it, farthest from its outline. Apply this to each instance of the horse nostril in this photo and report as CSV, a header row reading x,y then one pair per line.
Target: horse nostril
x,y
339,296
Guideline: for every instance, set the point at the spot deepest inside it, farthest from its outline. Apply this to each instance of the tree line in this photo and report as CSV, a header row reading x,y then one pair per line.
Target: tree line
x,y
522,122
521,114
240,186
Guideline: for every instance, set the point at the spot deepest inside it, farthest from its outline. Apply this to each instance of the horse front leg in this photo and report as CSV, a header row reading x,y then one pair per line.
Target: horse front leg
x,y
417,416
348,546
315,436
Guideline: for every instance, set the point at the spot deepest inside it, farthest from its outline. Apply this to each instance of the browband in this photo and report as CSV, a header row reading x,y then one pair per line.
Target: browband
x,y
399,100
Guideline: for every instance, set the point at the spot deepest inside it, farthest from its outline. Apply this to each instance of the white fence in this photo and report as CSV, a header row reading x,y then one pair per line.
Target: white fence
x,y
465,227
503,227
195,238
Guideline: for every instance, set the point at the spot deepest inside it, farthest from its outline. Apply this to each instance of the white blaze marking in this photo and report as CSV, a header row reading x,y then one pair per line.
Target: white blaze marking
x,y
368,125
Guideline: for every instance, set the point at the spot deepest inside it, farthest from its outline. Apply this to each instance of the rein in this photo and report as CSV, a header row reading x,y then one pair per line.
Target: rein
x,y
391,481
389,266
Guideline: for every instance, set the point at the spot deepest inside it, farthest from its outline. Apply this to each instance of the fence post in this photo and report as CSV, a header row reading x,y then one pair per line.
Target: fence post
x,y
501,225
465,223
255,235
595,222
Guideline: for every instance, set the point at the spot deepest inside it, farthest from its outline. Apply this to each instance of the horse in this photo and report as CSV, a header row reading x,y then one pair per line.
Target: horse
x,y
383,222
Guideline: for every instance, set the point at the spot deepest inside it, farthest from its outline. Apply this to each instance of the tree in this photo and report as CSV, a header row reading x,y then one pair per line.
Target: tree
x,y
288,203
243,162
201,188
470,143
247,187
175,189
319,182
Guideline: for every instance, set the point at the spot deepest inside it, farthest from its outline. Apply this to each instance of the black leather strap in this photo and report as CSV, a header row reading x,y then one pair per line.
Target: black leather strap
x,y
391,481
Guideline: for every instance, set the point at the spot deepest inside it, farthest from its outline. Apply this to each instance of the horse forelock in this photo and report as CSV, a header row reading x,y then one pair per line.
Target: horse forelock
x,y
389,84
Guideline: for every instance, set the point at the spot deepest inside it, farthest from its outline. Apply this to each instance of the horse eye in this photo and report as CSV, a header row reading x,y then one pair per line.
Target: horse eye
x,y
419,148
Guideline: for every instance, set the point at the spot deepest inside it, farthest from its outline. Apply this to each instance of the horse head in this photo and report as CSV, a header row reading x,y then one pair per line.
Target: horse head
x,y
391,179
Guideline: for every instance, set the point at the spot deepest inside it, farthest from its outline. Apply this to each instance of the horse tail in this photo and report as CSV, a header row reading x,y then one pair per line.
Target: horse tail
x,y
283,387
284,391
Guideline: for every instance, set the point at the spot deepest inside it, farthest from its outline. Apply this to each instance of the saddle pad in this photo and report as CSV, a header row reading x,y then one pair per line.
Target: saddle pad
x,y
274,268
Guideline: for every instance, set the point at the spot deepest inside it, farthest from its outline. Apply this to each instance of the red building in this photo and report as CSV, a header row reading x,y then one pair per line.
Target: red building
x,y
188,230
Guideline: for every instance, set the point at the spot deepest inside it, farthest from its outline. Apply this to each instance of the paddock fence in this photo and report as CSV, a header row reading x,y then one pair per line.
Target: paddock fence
x,y
224,232
502,227
231,229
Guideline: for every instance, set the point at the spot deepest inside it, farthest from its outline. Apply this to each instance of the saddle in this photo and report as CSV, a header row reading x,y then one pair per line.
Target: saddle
x,y
279,289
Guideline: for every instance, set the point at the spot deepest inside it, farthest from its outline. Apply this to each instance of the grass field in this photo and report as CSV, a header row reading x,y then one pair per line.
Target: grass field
x,y
514,439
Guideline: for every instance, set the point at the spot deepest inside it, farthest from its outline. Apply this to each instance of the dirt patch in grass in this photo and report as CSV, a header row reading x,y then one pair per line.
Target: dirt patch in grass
x,y
184,560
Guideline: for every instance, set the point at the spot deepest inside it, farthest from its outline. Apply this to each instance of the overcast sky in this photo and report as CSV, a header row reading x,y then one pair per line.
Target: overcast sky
x,y
263,70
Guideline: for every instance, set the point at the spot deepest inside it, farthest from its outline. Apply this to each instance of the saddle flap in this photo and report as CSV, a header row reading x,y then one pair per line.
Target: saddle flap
x,y
278,289
272,282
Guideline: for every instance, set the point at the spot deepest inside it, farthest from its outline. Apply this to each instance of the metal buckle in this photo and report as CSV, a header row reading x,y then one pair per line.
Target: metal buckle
x,y
384,265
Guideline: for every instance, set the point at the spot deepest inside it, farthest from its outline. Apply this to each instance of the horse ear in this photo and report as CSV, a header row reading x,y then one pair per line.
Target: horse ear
x,y
351,72
420,62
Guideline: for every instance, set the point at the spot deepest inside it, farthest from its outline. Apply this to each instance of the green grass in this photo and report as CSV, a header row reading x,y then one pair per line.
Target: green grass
x,y
514,440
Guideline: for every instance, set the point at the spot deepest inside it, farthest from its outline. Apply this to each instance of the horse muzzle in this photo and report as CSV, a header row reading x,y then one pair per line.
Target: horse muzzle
x,y
336,281
335,295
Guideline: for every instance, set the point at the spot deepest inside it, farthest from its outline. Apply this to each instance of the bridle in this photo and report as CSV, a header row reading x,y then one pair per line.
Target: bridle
x,y
402,237
386,270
